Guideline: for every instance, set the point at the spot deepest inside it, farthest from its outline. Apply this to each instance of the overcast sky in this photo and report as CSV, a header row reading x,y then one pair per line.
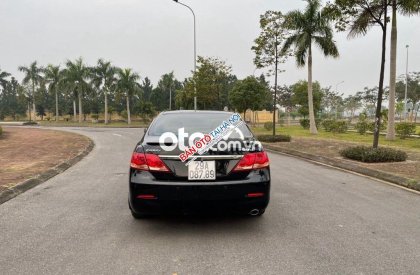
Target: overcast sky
x,y
155,36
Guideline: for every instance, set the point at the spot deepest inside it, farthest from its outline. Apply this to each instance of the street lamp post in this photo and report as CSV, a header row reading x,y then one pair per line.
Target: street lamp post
x,y
406,86
195,50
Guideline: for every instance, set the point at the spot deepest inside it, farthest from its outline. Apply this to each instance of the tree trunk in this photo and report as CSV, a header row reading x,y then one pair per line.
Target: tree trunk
x,y
106,105
29,111
56,105
80,106
170,98
74,110
275,88
312,124
393,75
33,100
381,81
128,111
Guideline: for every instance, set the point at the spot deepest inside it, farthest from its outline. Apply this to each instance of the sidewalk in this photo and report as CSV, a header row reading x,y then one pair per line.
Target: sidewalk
x,y
326,151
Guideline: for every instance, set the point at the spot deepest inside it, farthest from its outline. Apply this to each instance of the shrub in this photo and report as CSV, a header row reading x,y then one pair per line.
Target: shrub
x,y
94,116
371,126
335,126
328,124
340,127
362,127
369,154
405,129
1,131
304,122
276,138
124,114
268,126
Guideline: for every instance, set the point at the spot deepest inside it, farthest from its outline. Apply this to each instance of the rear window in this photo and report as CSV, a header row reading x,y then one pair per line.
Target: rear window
x,y
193,122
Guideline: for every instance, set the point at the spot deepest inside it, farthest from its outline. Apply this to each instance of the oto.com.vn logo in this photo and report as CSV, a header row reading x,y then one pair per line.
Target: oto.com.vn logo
x,y
227,136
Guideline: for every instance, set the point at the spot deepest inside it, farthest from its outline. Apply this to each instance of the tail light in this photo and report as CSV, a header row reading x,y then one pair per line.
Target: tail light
x,y
148,162
252,161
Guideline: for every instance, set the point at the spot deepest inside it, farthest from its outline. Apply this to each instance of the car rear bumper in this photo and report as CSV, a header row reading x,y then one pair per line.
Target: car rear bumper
x,y
220,197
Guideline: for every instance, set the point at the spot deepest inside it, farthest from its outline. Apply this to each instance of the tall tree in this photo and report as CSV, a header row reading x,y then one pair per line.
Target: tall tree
x,y
405,7
127,85
300,97
360,16
413,93
212,81
147,88
352,103
53,77
3,78
310,26
33,75
10,100
76,76
249,93
267,49
163,96
103,76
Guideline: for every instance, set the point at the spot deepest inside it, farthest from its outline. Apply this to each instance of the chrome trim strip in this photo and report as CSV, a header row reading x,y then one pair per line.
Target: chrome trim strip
x,y
204,157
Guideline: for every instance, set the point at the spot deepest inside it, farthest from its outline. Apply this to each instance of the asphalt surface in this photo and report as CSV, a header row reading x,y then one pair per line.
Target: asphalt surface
x,y
319,221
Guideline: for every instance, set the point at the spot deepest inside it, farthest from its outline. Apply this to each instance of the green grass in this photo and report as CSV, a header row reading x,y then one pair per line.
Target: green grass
x,y
134,124
297,131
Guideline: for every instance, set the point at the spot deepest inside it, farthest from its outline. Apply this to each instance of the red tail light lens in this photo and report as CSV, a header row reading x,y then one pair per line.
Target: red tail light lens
x,y
252,161
261,160
155,163
148,162
138,161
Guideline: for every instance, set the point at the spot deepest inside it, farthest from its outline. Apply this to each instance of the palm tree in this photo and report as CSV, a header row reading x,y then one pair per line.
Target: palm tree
x,y
127,84
307,28
3,80
33,75
53,76
103,76
364,15
76,77
405,7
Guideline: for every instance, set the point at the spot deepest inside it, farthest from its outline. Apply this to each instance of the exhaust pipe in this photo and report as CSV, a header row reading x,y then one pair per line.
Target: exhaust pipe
x,y
254,212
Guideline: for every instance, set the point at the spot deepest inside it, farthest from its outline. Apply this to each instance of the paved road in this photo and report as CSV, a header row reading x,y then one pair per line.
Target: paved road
x,y
320,221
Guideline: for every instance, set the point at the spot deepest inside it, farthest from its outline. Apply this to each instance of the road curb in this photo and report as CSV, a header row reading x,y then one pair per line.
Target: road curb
x,y
43,177
348,166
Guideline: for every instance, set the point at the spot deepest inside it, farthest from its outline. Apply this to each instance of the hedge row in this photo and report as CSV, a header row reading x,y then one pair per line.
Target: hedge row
x,y
369,154
276,138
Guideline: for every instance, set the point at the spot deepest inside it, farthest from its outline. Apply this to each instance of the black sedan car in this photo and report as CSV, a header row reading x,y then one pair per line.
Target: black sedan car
x,y
168,174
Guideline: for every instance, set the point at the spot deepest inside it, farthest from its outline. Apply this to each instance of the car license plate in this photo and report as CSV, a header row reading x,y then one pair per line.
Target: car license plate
x,y
202,170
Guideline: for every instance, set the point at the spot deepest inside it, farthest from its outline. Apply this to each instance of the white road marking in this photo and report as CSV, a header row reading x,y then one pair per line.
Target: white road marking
x,y
118,135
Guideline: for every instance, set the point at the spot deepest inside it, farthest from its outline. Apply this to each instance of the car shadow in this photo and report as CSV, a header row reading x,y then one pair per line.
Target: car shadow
x,y
199,224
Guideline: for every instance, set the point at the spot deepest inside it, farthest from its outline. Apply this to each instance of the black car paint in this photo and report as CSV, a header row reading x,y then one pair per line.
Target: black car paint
x,y
175,194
